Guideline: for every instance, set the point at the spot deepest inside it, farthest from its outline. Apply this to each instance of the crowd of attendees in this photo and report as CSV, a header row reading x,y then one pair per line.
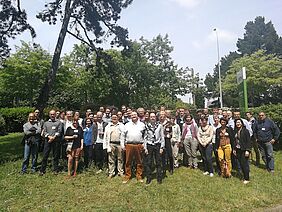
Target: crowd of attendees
x,y
126,140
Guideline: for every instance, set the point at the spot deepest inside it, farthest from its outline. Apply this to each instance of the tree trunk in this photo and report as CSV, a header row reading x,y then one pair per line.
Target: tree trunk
x,y
49,81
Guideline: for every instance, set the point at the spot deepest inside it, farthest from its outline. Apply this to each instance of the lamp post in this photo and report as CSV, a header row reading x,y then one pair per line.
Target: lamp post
x,y
219,74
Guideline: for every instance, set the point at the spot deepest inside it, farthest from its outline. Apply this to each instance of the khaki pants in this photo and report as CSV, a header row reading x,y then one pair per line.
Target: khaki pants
x,y
224,153
116,151
133,151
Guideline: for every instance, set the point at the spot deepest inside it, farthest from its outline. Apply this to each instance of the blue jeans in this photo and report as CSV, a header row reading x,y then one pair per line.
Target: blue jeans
x,y
206,153
266,150
33,150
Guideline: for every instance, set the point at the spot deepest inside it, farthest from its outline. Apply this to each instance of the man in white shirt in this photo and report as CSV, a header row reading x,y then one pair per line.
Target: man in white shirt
x,y
133,138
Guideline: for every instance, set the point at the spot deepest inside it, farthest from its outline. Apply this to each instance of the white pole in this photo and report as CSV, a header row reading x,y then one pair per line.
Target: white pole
x,y
219,74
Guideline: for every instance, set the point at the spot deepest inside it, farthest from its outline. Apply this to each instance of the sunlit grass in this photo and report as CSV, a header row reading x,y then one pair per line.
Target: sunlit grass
x,y
186,190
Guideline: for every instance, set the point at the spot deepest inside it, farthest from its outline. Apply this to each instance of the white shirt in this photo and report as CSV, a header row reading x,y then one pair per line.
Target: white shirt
x,y
133,132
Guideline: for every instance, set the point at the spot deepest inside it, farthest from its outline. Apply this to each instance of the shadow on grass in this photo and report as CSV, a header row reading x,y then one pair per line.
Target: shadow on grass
x,y
11,148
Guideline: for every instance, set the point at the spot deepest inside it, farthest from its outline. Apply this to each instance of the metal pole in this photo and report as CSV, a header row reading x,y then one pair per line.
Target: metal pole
x,y
219,74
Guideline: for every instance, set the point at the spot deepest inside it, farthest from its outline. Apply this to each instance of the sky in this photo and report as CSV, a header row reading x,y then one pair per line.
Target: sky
x,y
188,23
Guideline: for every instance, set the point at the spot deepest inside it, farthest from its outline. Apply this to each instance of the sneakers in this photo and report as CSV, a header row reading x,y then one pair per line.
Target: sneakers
x,y
246,182
99,171
125,181
41,173
211,174
140,181
206,173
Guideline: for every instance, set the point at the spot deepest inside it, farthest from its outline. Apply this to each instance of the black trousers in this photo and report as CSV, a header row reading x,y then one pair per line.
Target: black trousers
x,y
154,153
244,163
55,147
88,153
167,158
99,155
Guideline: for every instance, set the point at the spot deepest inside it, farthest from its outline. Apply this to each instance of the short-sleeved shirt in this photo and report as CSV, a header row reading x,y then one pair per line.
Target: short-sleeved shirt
x,y
77,141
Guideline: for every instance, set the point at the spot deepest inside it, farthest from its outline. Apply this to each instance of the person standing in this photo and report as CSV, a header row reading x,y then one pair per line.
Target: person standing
x,y
205,135
167,154
266,133
98,140
242,148
114,146
190,142
154,144
252,122
175,140
216,125
32,131
52,131
74,135
133,138
87,143
224,142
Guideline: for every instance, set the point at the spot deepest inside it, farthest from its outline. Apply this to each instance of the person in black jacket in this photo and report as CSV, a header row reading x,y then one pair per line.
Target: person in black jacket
x,y
242,148
266,133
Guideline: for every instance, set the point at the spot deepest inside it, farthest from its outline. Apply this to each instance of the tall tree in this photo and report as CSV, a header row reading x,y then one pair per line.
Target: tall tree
x,y
258,35
13,21
22,75
80,19
264,77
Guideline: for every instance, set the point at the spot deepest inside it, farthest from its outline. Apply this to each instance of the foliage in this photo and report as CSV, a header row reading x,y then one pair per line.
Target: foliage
x,y
80,19
258,35
13,21
264,77
22,76
15,117
185,190
2,125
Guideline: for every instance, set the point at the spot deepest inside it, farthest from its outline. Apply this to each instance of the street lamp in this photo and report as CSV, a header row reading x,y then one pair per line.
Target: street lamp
x,y
219,74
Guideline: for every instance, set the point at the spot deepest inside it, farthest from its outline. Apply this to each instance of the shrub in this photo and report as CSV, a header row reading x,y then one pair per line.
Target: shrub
x,y
2,125
15,118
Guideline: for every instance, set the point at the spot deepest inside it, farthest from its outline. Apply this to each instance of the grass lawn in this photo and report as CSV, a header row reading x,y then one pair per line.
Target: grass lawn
x,y
186,190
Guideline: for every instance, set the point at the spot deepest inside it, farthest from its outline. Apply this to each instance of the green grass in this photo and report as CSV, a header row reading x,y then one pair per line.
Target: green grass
x,y
186,190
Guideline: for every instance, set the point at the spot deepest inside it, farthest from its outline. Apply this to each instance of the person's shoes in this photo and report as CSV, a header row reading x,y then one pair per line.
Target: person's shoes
x,y
246,182
22,172
74,174
160,182
125,180
140,181
99,171
211,175
148,181
206,173
271,172
171,172
33,171
121,175
41,173
55,172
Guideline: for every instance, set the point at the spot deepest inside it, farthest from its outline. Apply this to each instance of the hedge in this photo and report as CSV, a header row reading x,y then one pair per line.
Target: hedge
x,y
15,118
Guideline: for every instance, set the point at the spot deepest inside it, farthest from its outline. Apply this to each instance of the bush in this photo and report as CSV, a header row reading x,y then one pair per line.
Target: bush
x,y
15,118
2,125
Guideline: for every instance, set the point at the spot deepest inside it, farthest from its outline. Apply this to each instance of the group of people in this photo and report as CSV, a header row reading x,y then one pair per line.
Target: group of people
x,y
126,140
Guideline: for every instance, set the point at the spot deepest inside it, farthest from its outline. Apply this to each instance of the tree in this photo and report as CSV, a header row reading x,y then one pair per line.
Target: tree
x,y
264,77
22,75
13,21
258,35
79,18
